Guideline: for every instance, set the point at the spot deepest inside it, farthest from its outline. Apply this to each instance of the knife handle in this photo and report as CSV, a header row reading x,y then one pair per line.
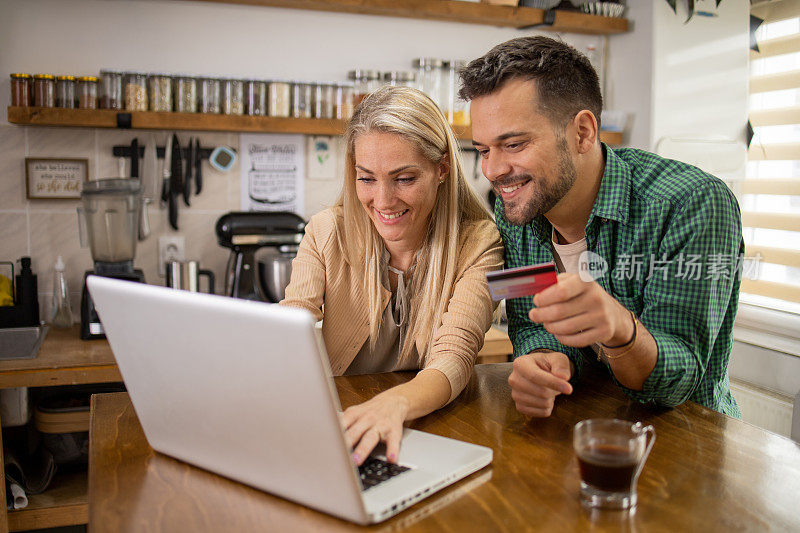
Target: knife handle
x,y
173,211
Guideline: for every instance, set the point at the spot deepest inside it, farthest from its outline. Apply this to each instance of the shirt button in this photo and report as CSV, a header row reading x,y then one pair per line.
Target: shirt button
x,y
603,220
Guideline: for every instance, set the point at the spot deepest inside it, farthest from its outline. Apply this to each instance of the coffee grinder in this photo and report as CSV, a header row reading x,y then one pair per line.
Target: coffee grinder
x,y
109,222
245,233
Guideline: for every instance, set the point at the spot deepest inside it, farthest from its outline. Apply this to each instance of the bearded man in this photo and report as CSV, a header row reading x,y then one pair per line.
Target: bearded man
x,y
649,250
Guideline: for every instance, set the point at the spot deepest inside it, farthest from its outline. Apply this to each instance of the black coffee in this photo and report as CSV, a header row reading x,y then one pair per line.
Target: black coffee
x,y
607,467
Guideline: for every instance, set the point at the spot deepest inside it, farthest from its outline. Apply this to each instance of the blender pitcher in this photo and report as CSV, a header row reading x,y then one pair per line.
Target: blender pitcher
x,y
109,219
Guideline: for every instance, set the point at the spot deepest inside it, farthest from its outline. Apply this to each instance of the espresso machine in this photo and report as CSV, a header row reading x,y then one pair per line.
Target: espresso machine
x,y
109,222
276,235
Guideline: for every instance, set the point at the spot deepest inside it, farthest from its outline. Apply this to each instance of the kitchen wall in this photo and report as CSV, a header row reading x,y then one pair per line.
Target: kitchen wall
x,y
83,36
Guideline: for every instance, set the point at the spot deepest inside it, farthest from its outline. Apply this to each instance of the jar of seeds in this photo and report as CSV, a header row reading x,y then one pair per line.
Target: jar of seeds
x,y
87,92
208,97
233,97
110,89
280,98
136,91
160,92
185,94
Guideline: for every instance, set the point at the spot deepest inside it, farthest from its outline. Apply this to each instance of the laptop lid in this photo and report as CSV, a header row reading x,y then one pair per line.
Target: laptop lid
x,y
236,387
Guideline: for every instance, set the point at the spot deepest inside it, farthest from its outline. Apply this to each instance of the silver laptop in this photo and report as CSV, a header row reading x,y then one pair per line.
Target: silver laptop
x,y
244,389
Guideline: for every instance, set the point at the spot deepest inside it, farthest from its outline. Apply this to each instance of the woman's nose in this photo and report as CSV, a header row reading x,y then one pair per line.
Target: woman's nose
x,y
384,195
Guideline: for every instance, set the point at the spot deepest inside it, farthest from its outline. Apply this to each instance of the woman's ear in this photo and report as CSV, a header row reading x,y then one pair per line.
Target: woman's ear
x,y
444,169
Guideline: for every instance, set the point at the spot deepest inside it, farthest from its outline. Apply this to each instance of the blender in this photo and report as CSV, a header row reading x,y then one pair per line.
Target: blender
x,y
109,222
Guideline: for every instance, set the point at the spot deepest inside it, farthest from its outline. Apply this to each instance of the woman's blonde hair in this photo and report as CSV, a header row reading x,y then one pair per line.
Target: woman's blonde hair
x,y
410,114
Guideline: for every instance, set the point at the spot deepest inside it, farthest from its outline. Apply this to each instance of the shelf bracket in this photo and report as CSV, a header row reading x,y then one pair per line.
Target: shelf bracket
x,y
124,121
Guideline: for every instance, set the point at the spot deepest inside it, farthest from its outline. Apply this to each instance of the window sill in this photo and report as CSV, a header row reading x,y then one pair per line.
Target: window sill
x,y
767,328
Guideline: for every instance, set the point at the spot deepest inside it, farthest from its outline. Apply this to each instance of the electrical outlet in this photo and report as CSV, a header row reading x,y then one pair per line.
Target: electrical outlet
x,y
170,248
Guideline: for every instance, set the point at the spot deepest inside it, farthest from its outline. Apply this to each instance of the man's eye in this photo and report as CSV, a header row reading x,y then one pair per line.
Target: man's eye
x,y
514,146
484,153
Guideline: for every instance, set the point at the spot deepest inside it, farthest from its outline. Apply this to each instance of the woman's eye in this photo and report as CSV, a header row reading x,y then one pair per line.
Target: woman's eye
x,y
405,179
365,179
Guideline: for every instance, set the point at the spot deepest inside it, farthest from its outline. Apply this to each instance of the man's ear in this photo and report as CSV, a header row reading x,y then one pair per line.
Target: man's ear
x,y
586,130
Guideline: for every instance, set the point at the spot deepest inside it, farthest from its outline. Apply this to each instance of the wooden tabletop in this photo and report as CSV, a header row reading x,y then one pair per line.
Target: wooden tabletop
x,y
63,359
707,472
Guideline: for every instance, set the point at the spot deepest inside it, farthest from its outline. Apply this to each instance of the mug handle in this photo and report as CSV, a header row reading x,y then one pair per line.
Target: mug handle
x,y
645,430
210,275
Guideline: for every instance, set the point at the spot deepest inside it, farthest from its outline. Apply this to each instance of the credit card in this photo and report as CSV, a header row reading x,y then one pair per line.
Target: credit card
x,y
521,281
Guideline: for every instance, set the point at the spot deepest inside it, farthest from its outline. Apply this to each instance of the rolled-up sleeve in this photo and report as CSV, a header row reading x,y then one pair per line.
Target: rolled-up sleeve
x,y
460,337
685,306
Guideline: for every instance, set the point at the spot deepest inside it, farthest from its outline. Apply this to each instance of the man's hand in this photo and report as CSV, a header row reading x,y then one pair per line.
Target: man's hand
x,y
580,313
536,380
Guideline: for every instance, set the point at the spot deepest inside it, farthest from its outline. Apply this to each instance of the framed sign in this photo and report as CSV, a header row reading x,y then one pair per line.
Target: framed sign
x,y
55,179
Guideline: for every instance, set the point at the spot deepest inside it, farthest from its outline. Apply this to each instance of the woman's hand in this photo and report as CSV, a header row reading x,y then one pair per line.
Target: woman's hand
x,y
377,420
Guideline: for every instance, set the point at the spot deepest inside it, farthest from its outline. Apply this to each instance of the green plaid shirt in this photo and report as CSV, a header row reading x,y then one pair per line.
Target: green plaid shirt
x,y
671,235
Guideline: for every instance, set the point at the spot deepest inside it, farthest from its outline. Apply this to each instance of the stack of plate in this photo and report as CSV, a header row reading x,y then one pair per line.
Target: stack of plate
x,y
605,9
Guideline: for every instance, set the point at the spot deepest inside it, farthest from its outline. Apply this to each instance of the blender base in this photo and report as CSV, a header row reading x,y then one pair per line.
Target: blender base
x,y
91,327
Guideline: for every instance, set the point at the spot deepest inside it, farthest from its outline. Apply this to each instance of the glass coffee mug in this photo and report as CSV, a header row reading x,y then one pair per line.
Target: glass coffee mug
x,y
611,454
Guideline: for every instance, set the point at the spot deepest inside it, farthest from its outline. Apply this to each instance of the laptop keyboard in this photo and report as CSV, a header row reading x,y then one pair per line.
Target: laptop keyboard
x,y
375,471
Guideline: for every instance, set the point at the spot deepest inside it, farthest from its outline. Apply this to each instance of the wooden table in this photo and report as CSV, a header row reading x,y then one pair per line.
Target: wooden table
x,y
707,472
63,359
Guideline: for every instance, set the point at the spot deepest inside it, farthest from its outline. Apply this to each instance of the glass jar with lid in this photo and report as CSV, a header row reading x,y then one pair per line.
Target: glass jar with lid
x,y
344,101
232,97
208,95
324,100
184,93
44,90
364,82
429,77
159,91
405,78
65,91
255,95
87,92
110,89
279,98
453,106
21,89
301,99
135,91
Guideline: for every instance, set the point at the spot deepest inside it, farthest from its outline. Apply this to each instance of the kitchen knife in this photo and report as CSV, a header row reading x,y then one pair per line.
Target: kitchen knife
x,y
166,172
176,175
187,178
198,175
135,158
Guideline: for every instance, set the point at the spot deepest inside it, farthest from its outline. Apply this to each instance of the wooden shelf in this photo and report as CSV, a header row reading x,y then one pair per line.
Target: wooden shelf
x,y
64,503
455,11
106,118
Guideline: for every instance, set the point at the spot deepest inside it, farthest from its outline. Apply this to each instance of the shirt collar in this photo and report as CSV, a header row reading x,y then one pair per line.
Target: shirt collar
x,y
614,197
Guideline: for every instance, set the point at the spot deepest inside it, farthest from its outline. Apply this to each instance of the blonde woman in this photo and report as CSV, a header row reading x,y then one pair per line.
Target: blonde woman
x,y
396,269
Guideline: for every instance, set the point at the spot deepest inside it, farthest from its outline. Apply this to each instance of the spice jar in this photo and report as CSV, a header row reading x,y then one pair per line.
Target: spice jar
x,y
65,91
301,99
110,89
324,100
21,89
136,91
44,90
232,97
87,92
185,91
256,97
365,82
280,99
208,95
344,101
160,92
405,78
429,77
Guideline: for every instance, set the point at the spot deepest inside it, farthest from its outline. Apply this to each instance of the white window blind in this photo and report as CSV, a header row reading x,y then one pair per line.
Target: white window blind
x,y
770,193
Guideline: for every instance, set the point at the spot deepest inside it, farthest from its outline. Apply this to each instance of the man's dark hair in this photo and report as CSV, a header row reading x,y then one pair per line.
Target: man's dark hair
x,y
565,80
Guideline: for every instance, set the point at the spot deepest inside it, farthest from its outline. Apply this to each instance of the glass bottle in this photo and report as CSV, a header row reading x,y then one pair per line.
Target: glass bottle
x,y
344,101
62,311
280,99
429,77
44,90
65,91
453,106
256,97
208,95
301,99
135,91
110,89
21,89
232,97
87,92
405,78
364,82
160,92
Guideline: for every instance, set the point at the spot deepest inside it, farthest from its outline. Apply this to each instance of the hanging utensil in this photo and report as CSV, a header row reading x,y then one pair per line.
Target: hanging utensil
x,y
198,175
187,178
166,172
175,185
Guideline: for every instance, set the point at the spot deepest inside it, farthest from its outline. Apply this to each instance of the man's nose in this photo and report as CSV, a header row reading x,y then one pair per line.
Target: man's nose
x,y
495,166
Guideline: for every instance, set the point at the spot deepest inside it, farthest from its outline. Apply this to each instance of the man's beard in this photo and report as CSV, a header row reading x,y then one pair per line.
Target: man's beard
x,y
544,196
